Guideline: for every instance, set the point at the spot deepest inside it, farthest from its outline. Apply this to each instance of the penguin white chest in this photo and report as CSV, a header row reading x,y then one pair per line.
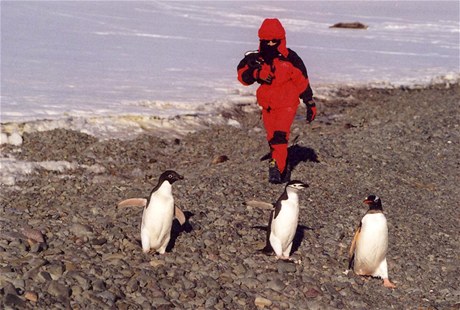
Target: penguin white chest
x,y
372,245
157,219
284,226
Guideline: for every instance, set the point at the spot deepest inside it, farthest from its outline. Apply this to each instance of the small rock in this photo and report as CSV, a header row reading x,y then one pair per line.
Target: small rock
x,y
19,284
9,288
286,267
44,276
33,234
69,266
276,285
35,247
81,279
99,241
132,285
219,159
55,270
80,230
107,295
312,293
31,296
250,283
76,290
159,302
58,290
210,302
155,263
262,302
99,285
14,301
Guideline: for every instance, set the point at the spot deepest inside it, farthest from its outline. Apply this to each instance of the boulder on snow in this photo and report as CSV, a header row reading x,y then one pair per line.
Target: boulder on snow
x,y
352,25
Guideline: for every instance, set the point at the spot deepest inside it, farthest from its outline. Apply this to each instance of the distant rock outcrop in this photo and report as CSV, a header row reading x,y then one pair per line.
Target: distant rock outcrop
x,y
353,25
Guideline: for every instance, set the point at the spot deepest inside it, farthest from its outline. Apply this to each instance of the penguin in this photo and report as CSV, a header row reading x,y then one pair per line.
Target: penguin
x,y
282,224
158,214
367,255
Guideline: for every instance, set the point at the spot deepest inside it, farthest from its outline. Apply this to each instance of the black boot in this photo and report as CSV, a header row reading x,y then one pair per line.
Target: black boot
x,y
286,175
274,175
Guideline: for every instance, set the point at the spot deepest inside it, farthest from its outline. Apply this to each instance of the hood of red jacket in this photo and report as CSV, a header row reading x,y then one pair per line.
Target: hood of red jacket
x,y
272,28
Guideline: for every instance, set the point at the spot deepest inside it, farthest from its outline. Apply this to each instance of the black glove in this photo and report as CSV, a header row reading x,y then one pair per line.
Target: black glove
x,y
252,60
311,111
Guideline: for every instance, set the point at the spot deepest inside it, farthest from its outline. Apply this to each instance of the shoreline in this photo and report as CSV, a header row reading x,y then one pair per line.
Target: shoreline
x,y
129,125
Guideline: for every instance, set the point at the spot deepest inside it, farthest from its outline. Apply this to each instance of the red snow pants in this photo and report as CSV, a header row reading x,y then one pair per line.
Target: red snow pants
x,y
277,123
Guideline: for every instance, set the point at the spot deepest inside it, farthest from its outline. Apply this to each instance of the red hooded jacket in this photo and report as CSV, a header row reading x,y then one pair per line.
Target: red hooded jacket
x,y
290,79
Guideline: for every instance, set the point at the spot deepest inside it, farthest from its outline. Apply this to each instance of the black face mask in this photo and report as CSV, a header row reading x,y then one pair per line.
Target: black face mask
x,y
269,52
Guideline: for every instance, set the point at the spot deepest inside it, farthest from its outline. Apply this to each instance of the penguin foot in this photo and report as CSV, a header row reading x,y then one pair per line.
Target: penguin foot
x,y
290,260
387,283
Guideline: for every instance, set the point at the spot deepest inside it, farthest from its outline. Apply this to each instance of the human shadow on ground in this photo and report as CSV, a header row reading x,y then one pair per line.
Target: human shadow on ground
x,y
296,155
298,237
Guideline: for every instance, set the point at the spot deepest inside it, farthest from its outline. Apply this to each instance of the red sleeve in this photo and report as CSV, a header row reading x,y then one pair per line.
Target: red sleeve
x,y
246,68
300,80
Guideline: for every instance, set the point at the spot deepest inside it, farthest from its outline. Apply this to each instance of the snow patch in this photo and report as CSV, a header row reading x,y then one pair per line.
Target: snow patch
x,y
13,170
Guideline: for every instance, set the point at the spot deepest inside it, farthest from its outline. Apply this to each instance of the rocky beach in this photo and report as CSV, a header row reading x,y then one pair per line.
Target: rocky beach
x,y
64,242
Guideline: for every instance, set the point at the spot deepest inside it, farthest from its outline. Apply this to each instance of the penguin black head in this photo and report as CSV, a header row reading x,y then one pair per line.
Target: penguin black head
x,y
171,176
374,202
296,184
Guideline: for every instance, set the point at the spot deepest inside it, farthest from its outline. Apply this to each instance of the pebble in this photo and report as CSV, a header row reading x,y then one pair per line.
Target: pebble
x,y
80,230
8,288
286,267
44,276
58,290
262,302
31,296
55,270
13,301
276,285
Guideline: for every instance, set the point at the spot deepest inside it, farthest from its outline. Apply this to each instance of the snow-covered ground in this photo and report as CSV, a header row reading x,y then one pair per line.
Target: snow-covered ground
x,y
110,68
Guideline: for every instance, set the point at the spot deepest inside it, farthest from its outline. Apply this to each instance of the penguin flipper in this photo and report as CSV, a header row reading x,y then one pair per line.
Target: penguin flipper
x,y
259,204
351,252
133,202
180,216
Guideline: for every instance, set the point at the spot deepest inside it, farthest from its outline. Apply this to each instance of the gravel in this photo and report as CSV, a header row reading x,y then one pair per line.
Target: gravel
x,y
399,143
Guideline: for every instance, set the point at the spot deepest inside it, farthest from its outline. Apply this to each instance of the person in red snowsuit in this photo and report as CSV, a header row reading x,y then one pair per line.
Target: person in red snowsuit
x,y
283,79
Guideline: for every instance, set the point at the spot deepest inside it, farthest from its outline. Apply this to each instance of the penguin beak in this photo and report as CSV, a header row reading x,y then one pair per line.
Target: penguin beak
x,y
368,202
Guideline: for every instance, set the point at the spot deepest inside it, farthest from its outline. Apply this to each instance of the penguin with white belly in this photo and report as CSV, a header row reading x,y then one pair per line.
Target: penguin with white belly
x,y
284,217
367,255
159,213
